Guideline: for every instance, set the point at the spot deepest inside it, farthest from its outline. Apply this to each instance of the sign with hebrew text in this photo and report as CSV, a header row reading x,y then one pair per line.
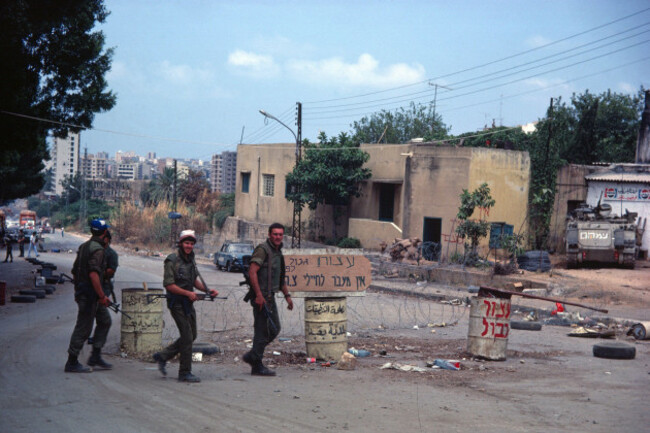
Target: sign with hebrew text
x,y
327,273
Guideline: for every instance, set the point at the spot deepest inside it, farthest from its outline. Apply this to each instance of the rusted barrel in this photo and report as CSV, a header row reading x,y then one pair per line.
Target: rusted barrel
x,y
489,326
326,326
141,333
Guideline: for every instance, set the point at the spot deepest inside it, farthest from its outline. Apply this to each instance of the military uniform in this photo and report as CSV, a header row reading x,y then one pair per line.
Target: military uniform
x,y
112,262
90,258
266,321
181,270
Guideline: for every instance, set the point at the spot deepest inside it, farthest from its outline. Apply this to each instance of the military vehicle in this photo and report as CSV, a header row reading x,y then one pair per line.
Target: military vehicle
x,y
594,235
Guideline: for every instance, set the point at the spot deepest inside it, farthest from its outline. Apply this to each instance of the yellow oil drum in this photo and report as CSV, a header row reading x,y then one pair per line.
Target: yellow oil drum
x,y
326,323
141,334
489,327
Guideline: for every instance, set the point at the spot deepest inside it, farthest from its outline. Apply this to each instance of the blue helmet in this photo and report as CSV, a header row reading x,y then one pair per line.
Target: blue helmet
x,y
98,226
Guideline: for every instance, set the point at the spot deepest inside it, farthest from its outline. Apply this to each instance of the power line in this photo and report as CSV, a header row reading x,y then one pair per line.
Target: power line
x,y
366,104
488,63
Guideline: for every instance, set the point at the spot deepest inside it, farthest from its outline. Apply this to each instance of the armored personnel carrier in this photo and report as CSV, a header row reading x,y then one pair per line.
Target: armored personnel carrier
x,y
594,235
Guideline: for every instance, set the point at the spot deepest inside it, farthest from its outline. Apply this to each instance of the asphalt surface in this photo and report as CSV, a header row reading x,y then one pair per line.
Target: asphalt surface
x,y
549,383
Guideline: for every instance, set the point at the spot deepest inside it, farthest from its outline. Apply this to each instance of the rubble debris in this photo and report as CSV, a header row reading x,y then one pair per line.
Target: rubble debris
x,y
405,250
347,362
402,367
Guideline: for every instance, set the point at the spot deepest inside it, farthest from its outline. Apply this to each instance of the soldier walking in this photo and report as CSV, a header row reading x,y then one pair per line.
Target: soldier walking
x,y
88,271
266,275
180,278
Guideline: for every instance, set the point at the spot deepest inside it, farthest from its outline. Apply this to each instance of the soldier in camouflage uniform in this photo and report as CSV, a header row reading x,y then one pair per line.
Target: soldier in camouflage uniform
x,y
88,272
266,257
180,278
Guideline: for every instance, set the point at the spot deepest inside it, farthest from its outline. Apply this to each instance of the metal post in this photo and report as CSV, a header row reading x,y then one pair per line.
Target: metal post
x,y
173,231
297,205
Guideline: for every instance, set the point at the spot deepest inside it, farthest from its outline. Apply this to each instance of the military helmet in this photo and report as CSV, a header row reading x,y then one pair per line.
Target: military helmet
x,y
98,226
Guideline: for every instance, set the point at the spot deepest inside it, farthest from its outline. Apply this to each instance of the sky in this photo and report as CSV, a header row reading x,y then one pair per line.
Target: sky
x,y
191,76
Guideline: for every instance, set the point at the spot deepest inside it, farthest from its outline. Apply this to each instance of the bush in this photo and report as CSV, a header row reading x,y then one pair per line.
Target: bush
x,y
349,243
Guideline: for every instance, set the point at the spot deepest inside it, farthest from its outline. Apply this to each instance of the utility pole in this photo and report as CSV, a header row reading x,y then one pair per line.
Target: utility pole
x,y
297,205
435,95
174,221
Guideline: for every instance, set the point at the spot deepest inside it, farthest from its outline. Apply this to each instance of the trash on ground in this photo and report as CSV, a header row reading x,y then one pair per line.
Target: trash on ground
x,y
326,364
531,317
585,332
284,339
197,357
347,362
446,364
311,360
276,353
402,367
359,353
640,330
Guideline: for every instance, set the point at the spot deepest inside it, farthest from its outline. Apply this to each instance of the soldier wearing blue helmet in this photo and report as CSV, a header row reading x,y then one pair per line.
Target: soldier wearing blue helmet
x,y
88,271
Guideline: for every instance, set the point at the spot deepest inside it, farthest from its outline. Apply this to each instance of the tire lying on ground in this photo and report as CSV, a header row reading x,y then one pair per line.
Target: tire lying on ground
x,y
39,294
48,289
23,299
205,348
525,325
614,350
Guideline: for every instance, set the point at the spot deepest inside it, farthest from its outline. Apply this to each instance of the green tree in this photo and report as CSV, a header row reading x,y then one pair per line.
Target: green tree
x,y
474,229
400,126
191,188
52,66
160,189
329,173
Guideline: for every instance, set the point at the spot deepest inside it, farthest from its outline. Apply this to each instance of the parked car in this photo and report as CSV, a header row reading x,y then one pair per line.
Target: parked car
x,y
231,253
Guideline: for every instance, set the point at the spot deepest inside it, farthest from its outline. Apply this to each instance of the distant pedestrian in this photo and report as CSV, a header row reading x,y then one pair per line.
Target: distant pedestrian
x,y
8,245
62,231
21,242
33,240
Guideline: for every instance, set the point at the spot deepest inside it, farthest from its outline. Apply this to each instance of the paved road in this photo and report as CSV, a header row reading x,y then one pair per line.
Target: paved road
x,y
550,383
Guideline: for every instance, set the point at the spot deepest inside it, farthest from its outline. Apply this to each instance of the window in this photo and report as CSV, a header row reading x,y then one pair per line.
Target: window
x,y
268,185
245,182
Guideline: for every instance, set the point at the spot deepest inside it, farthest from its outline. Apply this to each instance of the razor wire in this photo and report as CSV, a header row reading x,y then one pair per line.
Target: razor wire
x,y
224,320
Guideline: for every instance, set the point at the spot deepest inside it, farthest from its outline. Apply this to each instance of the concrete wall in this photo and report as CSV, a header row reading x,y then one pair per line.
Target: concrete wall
x,y
372,233
274,159
279,160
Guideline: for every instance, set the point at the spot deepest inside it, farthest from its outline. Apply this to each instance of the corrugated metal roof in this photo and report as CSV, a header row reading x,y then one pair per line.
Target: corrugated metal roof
x,y
630,173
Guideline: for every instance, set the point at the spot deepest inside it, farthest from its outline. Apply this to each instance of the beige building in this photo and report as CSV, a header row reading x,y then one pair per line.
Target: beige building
x,y
413,192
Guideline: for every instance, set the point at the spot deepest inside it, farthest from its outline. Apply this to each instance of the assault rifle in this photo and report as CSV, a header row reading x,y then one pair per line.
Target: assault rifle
x,y
199,297
116,308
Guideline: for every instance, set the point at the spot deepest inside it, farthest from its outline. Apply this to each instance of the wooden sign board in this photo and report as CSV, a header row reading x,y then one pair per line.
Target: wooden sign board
x,y
331,273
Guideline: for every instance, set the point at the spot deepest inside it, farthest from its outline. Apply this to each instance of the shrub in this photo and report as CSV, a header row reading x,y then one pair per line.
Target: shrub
x,y
349,243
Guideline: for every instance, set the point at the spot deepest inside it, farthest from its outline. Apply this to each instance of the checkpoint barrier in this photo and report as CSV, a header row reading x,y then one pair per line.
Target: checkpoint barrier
x,y
141,330
489,325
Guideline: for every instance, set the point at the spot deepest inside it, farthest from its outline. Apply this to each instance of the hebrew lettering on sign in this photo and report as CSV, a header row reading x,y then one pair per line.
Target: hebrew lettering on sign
x,y
327,273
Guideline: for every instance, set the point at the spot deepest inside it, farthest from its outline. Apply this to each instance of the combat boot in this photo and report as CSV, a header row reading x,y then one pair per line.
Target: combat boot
x,y
162,364
260,370
188,377
96,360
74,366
